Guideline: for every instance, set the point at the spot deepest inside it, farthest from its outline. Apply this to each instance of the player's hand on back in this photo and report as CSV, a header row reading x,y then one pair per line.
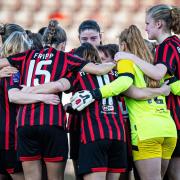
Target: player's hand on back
x,y
7,71
165,89
81,99
51,99
123,55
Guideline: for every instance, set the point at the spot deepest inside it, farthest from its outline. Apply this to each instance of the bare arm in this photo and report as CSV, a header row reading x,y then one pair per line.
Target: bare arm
x,y
4,62
147,93
19,97
98,69
7,71
61,85
156,72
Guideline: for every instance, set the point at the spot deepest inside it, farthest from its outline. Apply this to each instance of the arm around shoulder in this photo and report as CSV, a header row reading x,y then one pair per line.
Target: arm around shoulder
x,y
98,69
147,93
4,62
60,85
18,97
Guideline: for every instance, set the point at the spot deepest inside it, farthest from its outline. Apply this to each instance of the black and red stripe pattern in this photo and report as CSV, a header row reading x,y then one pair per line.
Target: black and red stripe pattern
x,y
8,112
38,67
102,119
168,53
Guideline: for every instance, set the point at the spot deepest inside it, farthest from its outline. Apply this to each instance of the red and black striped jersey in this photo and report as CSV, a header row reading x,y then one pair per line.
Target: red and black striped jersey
x,y
123,107
74,117
39,67
74,121
102,119
168,53
8,113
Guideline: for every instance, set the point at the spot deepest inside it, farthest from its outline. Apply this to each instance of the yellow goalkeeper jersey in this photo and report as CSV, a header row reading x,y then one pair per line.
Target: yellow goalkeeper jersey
x,y
149,118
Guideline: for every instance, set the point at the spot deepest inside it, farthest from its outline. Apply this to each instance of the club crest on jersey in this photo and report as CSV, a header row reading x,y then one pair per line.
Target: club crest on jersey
x,y
114,73
16,77
108,108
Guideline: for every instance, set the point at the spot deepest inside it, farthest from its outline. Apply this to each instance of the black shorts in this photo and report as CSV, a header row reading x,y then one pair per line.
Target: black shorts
x,y
176,152
102,156
47,142
128,143
74,138
9,163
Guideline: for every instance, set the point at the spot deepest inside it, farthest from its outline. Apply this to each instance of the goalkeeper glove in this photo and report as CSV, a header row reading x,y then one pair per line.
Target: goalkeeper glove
x,y
82,99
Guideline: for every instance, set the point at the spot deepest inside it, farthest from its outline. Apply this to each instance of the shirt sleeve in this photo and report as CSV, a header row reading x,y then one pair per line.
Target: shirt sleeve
x,y
166,55
123,82
126,68
75,63
17,59
14,81
72,78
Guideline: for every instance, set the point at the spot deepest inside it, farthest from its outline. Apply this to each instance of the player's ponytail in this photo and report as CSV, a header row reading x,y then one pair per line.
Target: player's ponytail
x,y
54,34
175,24
136,45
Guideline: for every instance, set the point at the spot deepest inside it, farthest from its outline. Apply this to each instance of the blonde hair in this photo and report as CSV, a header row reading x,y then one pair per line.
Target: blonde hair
x,y
15,43
170,15
136,45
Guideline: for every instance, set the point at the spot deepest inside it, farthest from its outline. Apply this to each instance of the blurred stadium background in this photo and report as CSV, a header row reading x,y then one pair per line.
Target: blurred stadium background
x,y
112,15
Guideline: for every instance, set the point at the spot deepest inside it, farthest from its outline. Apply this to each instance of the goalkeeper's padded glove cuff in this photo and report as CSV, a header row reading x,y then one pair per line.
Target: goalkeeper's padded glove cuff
x,y
96,94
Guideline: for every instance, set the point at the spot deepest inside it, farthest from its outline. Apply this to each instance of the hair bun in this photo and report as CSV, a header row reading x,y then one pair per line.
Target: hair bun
x,y
53,24
2,29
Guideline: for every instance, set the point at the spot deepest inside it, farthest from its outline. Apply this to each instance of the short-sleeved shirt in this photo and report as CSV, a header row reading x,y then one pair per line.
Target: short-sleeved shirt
x,y
168,53
149,118
8,113
103,118
39,67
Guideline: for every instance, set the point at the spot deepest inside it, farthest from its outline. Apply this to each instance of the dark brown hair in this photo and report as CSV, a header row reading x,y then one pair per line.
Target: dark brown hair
x,y
109,49
36,39
88,52
89,24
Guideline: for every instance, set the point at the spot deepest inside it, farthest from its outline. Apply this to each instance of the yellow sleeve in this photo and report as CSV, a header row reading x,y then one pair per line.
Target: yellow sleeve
x,y
116,87
175,88
123,82
125,66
